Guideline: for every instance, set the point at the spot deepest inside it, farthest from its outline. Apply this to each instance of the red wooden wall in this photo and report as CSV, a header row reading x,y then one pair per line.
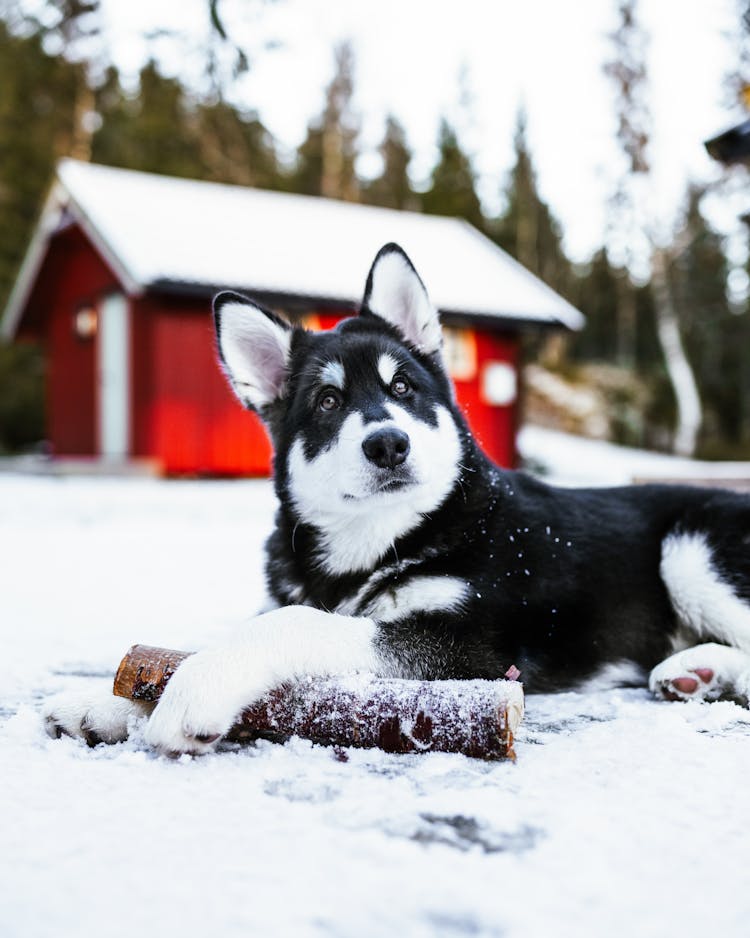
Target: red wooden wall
x,y
73,275
183,414
494,426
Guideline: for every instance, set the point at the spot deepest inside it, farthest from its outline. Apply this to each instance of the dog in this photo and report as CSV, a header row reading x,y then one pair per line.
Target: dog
x,y
400,549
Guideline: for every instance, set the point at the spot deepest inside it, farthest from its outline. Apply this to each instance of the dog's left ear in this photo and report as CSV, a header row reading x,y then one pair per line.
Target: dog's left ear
x,y
395,292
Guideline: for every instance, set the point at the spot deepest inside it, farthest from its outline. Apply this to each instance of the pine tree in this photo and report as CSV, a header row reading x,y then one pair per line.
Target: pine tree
x,y
37,108
37,126
392,188
69,29
21,397
453,182
596,290
307,174
112,141
326,158
162,130
527,229
153,131
234,147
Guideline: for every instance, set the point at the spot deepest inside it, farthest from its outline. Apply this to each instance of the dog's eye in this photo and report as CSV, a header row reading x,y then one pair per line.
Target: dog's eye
x,y
400,386
329,400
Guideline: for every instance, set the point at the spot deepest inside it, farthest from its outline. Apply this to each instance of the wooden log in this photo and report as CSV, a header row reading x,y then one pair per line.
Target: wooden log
x,y
477,718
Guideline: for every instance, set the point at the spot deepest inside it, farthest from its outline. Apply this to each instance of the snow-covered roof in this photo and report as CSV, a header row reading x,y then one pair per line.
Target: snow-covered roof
x,y
159,231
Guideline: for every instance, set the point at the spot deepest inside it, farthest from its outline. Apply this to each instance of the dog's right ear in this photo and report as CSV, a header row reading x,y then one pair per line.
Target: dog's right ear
x,y
254,347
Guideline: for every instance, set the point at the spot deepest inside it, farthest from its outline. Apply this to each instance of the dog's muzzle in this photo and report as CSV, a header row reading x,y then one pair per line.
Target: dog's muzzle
x,y
387,448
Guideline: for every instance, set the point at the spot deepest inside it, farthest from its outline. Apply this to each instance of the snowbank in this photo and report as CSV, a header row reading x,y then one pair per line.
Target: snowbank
x,y
623,816
575,460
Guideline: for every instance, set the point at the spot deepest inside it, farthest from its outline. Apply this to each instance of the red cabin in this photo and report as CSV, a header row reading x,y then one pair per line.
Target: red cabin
x,y
117,284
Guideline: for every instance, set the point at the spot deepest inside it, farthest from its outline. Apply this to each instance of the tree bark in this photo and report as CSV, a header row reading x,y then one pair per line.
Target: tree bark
x,y
476,718
689,410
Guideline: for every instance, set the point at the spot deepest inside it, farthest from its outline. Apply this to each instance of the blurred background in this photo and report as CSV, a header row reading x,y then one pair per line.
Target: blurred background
x,y
573,137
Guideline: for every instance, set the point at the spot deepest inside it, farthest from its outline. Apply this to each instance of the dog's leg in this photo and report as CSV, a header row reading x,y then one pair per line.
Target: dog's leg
x,y
211,688
97,717
706,602
704,672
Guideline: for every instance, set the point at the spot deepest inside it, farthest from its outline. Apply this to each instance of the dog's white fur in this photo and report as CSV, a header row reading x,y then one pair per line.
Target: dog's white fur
x,y
387,368
210,688
419,594
336,490
702,600
333,373
99,712
618,674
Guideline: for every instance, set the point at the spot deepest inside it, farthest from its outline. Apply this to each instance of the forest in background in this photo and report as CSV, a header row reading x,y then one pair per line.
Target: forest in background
x,y
53,103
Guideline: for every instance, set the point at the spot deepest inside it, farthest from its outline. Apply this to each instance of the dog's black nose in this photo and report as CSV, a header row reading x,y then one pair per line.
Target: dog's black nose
x,y
387,448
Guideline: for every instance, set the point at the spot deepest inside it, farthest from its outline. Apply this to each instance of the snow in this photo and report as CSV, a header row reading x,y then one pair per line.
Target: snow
x,y
154,228
622,816
564,459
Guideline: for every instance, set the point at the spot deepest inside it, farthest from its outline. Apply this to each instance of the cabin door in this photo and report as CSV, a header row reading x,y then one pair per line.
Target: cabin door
x,y
114,377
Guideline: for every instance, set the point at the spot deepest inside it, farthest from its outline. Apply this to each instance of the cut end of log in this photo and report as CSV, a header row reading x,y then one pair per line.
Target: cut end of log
x,y
145,671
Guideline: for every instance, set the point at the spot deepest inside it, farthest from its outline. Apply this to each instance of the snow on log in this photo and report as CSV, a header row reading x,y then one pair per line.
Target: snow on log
x,y
477,718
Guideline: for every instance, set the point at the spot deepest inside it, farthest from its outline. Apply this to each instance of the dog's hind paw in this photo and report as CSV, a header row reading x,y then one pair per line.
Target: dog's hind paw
x,y
697,684
704,672
96,717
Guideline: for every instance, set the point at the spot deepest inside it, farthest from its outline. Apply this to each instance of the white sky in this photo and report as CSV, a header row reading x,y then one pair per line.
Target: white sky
x,y
410,58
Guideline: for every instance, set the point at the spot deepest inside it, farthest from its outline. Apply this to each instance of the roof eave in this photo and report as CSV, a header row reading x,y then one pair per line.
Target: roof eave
x,y
569,317
558,314
497,319
731,146
59,199
129,282
503,321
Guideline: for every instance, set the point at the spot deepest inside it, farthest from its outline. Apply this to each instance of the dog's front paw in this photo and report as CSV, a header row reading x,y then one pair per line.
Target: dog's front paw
x,y
198,706
210,689
97,717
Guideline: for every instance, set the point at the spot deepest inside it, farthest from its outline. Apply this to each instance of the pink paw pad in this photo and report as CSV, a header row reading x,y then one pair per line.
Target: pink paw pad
x,y
678,688
705,674
685,685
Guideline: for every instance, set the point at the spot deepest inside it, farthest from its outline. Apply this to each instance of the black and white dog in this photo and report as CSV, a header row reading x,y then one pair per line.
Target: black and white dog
x,y
400,549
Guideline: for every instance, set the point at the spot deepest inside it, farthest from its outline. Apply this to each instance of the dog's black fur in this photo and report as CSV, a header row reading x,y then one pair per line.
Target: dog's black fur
x,y
561,582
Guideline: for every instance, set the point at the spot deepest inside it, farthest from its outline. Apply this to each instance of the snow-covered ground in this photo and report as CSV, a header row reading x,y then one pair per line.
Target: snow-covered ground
x,y
571,460
623,816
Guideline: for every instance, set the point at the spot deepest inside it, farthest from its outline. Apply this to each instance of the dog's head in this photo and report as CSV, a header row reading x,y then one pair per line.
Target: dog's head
x,y
362,417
